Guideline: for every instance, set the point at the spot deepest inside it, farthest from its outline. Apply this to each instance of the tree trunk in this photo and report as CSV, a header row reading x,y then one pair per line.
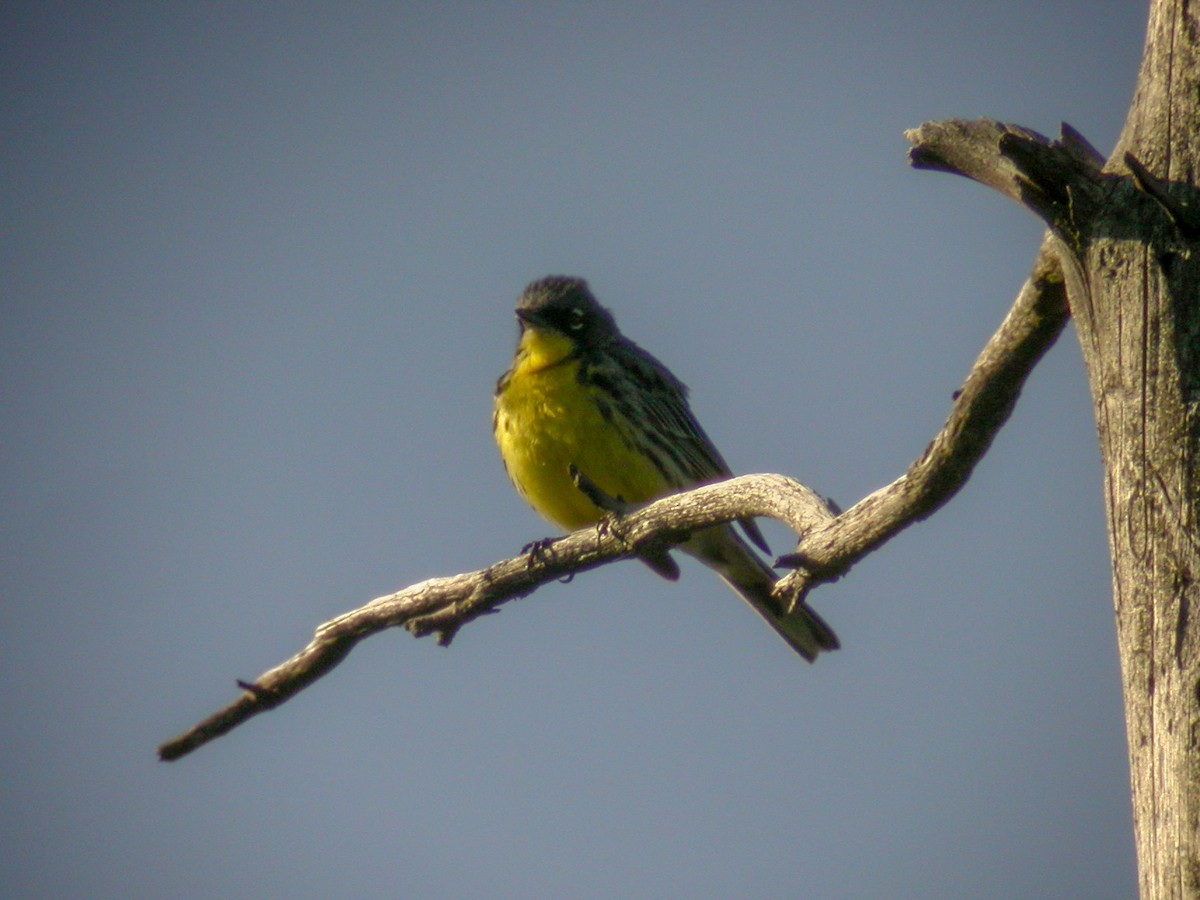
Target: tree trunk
x,y
1135,299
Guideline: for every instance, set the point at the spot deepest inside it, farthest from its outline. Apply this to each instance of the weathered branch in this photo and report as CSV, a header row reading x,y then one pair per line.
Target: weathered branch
x,y
1017,162
981,406
443,605
829,545
1039,173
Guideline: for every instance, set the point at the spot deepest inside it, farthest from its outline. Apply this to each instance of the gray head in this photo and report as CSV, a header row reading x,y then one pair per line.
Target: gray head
x,y
565,306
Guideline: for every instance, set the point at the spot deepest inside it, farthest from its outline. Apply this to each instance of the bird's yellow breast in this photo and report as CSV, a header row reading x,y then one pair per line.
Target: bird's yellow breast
x,y
546,421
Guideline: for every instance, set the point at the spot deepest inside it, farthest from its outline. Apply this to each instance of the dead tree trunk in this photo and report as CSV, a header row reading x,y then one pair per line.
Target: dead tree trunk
x,y
1135,298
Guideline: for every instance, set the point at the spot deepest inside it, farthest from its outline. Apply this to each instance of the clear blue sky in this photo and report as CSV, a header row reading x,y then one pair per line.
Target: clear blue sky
x,y
257,275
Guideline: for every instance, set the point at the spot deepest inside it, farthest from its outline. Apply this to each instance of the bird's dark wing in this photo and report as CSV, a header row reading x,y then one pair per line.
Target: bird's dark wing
x,y
645,391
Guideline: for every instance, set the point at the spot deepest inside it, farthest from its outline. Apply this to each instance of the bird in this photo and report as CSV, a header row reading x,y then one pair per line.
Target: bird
x,y
582,399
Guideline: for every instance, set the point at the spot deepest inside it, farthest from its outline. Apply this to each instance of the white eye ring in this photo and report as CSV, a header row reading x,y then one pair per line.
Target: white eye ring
x,y
577,317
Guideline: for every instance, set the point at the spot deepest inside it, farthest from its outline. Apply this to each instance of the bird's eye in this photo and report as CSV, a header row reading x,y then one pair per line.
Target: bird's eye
x,y
575,319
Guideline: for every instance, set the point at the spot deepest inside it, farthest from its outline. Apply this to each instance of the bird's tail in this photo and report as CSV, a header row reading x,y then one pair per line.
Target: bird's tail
x,y
724,551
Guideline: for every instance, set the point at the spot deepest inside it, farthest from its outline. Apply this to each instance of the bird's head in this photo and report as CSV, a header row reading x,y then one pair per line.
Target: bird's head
x,y
564,307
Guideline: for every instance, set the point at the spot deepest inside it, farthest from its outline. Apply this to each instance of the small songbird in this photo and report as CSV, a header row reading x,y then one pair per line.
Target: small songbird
x,y
580,396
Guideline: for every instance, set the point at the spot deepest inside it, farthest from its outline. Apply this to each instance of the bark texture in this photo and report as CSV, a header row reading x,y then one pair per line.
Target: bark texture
x,y
1138,319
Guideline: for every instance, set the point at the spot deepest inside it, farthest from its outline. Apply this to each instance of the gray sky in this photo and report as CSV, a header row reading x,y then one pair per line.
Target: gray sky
x,y
257,275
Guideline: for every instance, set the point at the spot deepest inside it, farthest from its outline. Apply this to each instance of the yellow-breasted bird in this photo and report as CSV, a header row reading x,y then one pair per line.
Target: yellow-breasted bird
x,y
580,394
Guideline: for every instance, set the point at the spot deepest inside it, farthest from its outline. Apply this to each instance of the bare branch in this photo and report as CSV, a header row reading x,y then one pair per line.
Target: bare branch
x,y
981,406
443,605
829,545
970,149
1046,176
1060,181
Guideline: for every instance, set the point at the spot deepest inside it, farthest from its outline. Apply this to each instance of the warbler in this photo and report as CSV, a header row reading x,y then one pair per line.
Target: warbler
x,y
582,396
